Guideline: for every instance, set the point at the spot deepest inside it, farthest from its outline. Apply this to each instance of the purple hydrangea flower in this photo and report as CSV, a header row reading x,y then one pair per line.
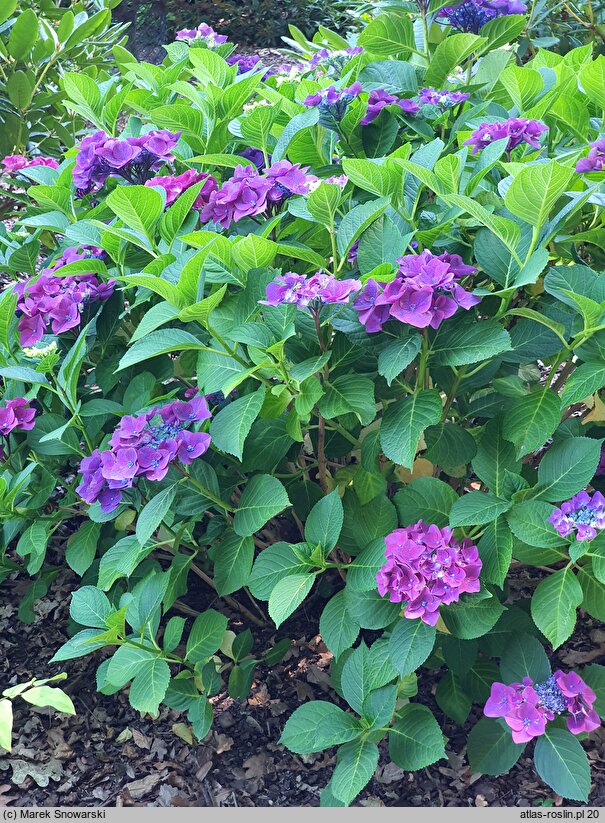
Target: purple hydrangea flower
x,y
204,33
332,63
379,99
144,445
426,568
287,179
527,707
518,130
442,99
16,415
595,159
255,156
332,103
471,15
302,291
16,162
583,514
243,195
247,62
425,292
133,158
58,302
175,185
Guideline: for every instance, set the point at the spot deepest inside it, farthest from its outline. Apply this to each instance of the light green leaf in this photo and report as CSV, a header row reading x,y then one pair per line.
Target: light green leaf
x,y
403,424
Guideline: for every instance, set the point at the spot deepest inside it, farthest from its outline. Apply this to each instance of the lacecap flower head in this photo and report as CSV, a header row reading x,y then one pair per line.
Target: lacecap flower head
x,y
426,567
595,160
518,130
17,162
302,291
582,516
203,33
378,99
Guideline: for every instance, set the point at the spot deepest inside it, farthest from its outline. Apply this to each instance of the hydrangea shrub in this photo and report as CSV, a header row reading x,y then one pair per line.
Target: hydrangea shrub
x,y
332,331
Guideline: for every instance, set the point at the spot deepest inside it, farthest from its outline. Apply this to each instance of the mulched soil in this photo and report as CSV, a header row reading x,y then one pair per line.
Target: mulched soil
x,y
110,755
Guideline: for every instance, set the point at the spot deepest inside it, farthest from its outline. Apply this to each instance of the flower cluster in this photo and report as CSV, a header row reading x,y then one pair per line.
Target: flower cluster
x,y
143,445
16,162
442,99
426,567
517,129
425,292
332,103
471,15
203,32
16,415
133,158
301,291
583,514
247,62
379,98
249,193
332,63
527,707
595,159
175,185
58,301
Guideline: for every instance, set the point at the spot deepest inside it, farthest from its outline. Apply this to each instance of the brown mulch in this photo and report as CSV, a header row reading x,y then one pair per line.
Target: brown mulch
x,y
110,755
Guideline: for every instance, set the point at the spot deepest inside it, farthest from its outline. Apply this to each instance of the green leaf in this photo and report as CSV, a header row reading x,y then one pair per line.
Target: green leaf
x,y
355,765
233,556
47,696
230,427
426,498
153,514
446,442
276,562
388,34
323,202
469,343
554,603
415,739
149,686
504,229
496,551
495,458
202,310
77,646
594,675
567,467
535,190
584,381
357,220
318,725
529,522
301,121
404,422
476,508
524,656
90,607
338,629
502,30
491,749
592,78
23,35
324,522
452,698
450,53
138,207
371,610
397,356
287,596
263,498
206,635
532,420
6,724
561,762
70,369
349,393
472,617
410,644
361,572
159,342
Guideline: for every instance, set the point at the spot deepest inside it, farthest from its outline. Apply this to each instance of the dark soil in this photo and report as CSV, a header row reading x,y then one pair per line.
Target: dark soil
x,y
110,755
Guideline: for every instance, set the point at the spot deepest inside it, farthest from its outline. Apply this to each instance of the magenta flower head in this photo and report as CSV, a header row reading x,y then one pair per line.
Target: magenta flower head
x,y
287,179
144,445
302,291
527,707
244,195
248,62
518,130
441,99
426,567
471,15
333,103
595,159
581,517
16,415
425,292
175,185
16,162
202,34
379,99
